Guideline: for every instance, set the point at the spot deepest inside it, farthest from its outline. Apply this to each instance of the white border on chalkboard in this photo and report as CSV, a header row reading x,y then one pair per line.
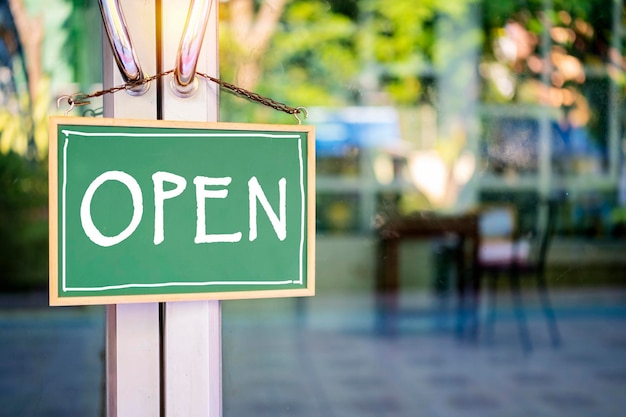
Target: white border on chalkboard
x,y
301,258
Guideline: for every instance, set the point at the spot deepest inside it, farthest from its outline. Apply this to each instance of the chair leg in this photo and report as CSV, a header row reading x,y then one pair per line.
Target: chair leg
x,y
519,311
553,328
491,315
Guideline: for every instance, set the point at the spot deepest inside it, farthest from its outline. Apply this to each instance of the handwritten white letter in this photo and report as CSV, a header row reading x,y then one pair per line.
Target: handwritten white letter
x,y
90,228
160,195
201,195
279,223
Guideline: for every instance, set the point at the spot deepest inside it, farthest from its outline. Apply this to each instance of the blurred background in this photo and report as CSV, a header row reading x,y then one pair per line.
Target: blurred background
x,y
423,109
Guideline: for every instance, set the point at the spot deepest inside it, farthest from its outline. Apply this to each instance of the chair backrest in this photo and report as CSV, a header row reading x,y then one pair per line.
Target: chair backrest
x,y
502,241
497,222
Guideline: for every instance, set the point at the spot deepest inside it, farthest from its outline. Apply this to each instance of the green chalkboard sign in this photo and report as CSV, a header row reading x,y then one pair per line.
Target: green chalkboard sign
x,y
167,211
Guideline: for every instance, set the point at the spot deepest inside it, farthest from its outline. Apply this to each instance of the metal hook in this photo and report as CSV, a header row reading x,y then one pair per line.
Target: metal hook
x,y
74,100
69,101
125,57
299,110
184,82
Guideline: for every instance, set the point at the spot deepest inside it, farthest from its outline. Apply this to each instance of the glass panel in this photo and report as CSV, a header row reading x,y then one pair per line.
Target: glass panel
x,y
496,104
426,113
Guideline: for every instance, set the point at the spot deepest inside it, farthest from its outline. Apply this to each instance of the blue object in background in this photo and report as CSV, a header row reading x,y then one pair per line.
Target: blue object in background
x,y
341,129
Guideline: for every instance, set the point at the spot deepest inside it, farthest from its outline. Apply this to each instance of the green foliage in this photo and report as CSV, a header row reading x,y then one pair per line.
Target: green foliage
x,y
322,50
400,29
23,173
24,195
23,222
79,41
326,53
315,51
598,13
310,62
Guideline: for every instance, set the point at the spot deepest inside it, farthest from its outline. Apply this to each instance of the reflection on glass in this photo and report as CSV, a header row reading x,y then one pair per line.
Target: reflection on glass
x,y
428,115
500,106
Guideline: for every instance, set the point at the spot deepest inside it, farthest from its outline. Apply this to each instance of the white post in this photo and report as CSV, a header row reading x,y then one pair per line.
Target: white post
x,y
133,336
192,330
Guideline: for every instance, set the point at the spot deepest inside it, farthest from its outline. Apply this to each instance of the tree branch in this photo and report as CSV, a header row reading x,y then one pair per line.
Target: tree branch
x,y
264,27
241,16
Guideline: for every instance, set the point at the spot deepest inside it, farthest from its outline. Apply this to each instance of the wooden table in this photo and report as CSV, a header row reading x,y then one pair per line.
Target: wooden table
x,y
425,225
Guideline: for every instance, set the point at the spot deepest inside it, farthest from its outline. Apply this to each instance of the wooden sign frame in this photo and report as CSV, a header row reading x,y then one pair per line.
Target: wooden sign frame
x,y
58,179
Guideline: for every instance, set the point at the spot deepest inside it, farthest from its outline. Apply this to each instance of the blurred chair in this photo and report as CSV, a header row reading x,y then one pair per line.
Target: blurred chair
x,y
504,251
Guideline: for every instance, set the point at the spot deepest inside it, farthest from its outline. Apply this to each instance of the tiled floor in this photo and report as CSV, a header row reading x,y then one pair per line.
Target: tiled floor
x,y
321,357
334,365
51,362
